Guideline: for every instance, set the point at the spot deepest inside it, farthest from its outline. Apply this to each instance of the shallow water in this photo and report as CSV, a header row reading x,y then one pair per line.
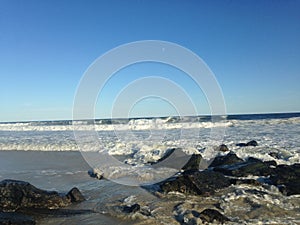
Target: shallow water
x,y
59,171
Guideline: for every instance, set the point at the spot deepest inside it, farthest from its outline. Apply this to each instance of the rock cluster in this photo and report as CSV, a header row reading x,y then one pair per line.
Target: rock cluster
x,y
226,170
223,171
16,196
196,182
285,177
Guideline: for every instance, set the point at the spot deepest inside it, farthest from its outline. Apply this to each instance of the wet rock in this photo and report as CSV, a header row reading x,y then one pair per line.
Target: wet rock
x,y
13,218
223,148
193,163
229,159
176,158
170,152
96,173
213,216
252,166
196,182
75,195
16,195
250,143
131,209
173,158
287,178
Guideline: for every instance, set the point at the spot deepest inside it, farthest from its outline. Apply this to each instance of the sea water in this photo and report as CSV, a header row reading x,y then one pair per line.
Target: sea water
x,y
46,154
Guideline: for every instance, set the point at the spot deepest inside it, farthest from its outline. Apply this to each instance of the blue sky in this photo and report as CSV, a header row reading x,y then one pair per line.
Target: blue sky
x,y
45,47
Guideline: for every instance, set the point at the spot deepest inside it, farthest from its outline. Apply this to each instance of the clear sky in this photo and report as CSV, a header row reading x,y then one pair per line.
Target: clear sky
x,y
253,48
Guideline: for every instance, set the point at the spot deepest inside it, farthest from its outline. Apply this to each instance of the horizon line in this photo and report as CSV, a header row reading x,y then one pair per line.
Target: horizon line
x,y
153,117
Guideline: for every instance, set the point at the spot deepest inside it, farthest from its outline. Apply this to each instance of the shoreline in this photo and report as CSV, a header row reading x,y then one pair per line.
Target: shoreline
x,y
56,171
112,203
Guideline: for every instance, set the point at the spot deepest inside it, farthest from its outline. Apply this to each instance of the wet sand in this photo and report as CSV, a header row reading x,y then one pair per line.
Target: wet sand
x,y
59,171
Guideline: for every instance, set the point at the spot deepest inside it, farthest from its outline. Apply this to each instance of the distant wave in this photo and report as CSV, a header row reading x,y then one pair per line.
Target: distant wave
x,y
172,122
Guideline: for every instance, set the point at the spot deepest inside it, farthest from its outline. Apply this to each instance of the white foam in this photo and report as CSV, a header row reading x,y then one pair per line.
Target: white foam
x,y
244,197
140,124
147,140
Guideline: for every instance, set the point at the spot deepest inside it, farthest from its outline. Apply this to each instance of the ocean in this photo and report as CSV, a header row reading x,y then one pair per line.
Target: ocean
x,y
46,154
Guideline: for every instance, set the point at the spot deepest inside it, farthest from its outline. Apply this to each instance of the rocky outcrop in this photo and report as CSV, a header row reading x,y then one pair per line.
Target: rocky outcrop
x,y
16,194
173,158
232,165
252,166
229,159
75,195
287,178
196,182
21,202
193,181
193,163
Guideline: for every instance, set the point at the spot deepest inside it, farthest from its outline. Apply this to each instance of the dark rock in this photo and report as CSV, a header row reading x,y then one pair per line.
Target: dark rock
x,y
287,178
75,195
195,213
13,218
269,163
252,166
212,215
229,159
95,173
250,143
131,209
169,152
15,195
193,163
174,158
241,144
196,182
223,148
